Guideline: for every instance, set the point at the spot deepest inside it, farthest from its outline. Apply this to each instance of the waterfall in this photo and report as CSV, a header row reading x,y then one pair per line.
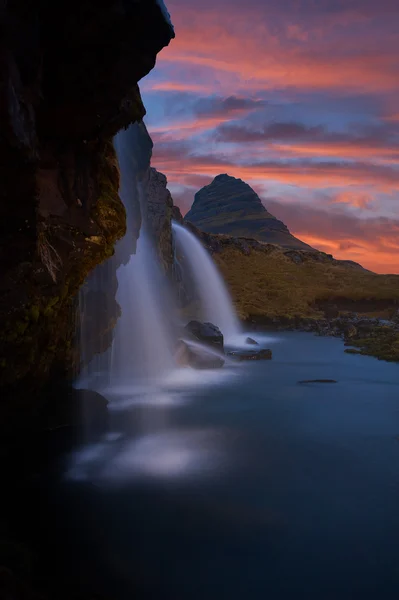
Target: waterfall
x,y
97,312
216,304
142,346
142,349
130,290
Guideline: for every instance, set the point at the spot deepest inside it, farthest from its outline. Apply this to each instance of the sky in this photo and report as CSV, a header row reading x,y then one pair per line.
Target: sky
x,y
300,99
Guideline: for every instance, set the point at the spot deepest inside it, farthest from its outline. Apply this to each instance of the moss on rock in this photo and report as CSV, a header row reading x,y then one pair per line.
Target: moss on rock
x,y
383,343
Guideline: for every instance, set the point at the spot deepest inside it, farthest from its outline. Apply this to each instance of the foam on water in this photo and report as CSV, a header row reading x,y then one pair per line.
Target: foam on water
x,y
170,454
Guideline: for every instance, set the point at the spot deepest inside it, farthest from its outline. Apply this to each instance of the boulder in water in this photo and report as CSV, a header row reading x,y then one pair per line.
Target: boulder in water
x,y
197,357
206,333
251,341
182,354
318,381
264,354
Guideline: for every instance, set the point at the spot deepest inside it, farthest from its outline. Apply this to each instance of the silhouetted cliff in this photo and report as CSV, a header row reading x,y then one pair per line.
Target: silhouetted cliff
x,y
68,83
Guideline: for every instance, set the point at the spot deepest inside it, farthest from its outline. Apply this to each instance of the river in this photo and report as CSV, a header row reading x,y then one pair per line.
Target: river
x,y
244,483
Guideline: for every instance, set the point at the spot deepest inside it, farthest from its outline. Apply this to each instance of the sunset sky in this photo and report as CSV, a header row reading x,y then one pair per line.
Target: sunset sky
x,y
300,98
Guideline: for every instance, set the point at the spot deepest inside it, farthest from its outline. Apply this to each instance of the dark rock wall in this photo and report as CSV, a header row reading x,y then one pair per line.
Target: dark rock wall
x,y
68,83
160,207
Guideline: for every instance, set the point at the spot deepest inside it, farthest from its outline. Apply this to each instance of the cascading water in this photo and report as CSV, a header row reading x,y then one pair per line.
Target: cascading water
x,y
142,346
139,370
216,304
94,303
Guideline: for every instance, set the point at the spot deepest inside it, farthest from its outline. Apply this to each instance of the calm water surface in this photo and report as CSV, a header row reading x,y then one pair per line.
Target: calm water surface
x,y
246,484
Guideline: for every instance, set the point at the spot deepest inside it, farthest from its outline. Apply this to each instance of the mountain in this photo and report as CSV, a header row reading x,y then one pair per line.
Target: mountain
x,y
230,206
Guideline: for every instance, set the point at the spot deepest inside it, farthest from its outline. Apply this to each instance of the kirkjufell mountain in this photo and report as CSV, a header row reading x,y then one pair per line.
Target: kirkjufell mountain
x,y
230,206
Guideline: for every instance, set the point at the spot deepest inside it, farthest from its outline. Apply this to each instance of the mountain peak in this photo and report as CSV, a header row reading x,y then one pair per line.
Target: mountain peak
x,y
224,177
229,205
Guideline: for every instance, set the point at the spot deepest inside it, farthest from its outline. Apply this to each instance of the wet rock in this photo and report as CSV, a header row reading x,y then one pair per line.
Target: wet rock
x,y
206,333
159,214
350,331
365,328
264,354
79,416
90,414
197,357
352,351
251,341
331,311
182,354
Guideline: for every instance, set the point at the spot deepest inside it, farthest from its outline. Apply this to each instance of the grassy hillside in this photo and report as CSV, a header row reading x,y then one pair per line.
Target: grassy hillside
x,y
280,287
268,281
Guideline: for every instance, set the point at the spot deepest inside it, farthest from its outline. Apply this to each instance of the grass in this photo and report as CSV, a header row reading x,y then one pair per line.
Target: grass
x,y
265,282
383,343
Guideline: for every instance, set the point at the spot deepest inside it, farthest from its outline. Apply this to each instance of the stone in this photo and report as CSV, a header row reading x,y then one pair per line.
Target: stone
x,y
83,411
352,351
318,381
182,354
350,331
159,215
197,357
331,312
90,414
206,333
251,341
264,354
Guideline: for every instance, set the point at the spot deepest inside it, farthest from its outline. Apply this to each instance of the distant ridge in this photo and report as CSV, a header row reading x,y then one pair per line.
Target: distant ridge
x,y
230,206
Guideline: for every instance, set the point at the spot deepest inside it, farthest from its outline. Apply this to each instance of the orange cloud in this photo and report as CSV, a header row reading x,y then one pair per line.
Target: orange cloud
x,y
354,199
186,129
260,57
295,139
304,174
342,149
366,254
293,51
176,86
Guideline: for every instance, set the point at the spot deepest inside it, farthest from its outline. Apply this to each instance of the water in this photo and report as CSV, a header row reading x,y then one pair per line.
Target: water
x,y
142,348
94,304
260,487
216,304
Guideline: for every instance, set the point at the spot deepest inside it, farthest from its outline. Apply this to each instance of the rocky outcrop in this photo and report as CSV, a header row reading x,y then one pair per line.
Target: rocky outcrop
x,y
250,355
68,83
206,333
152,202
159,215
230,206
197,356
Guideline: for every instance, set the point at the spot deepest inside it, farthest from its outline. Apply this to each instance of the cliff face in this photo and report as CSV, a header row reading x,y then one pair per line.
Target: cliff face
x,y
68,83
230,206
